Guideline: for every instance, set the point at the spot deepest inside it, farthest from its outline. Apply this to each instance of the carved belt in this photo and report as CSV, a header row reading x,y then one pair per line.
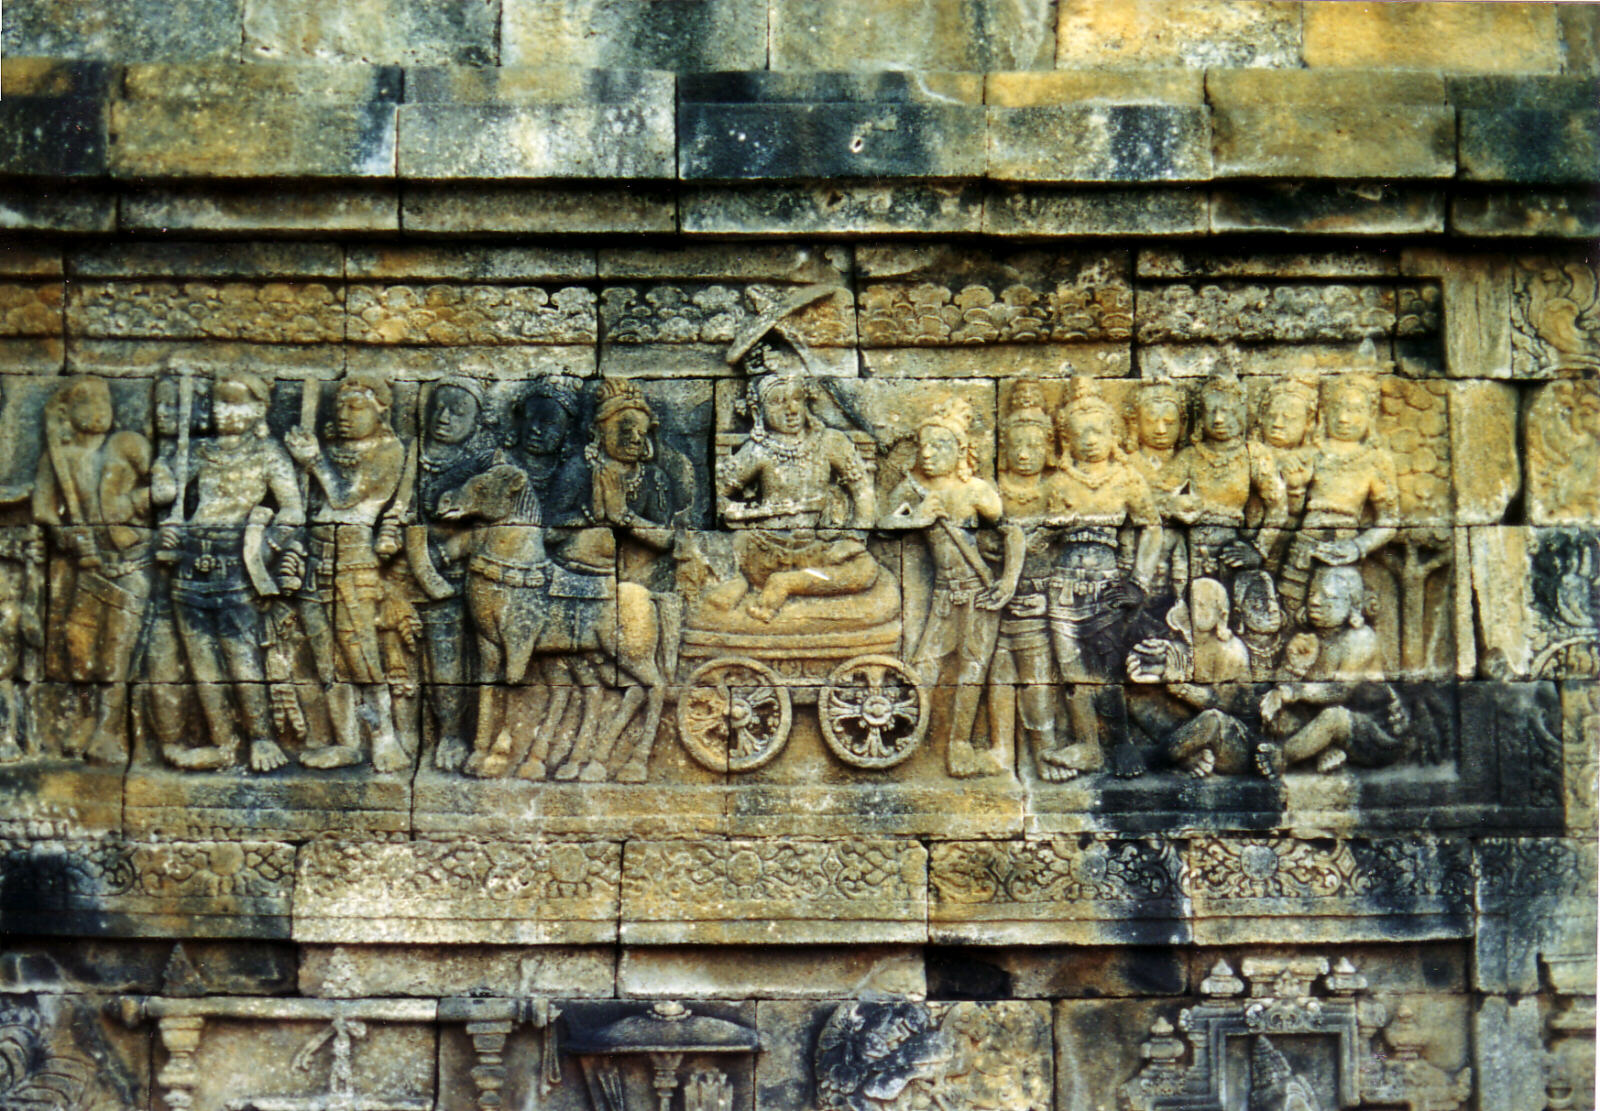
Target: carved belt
x,y
1080,585
508,574
956,592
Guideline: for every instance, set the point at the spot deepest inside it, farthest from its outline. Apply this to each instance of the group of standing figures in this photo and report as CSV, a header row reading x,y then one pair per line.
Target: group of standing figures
x,y
309,594
330,594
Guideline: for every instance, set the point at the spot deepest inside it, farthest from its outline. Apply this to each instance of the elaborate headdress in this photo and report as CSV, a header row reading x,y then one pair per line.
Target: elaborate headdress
x,y
1227,390
1301,387
1083,400
617,395
254,385
371,385
954,415
1026,406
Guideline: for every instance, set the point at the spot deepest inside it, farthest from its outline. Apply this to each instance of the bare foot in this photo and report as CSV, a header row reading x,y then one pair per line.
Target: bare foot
x,y
593,772
104,748
206,758
1061,764
532,769
266,756
568,771
1201,764
1269,760
1332,759
451,754
332,756
634,771
9,751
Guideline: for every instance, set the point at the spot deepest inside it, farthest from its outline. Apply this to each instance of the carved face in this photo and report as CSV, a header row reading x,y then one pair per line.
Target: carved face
x,y
1208,605
783,408
625,436
546,425
1335,596
1027,446
1089,437
234,410
1258,606
1348,418
1223,417
938,451
89,409
454,416
1159,423
356,415
1286,421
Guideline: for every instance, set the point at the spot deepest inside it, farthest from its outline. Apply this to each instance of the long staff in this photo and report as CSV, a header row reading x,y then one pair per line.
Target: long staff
x,y
180,464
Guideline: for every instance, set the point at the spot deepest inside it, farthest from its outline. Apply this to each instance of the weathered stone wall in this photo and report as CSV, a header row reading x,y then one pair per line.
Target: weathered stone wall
x,y
776,555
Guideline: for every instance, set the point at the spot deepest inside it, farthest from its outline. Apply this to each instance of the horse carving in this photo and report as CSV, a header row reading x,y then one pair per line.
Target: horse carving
x,y
536,619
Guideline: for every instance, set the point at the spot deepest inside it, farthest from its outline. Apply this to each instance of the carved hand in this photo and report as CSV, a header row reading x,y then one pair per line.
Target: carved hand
x,y
302,446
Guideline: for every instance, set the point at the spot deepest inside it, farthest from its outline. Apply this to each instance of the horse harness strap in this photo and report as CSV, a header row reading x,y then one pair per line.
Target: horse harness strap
x,y
510,574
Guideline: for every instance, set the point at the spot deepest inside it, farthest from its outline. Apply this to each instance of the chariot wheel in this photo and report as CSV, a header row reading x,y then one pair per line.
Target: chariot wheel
x,y
873,712
734,714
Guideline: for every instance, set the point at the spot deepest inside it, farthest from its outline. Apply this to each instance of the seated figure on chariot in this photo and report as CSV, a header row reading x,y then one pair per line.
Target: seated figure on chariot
x,y
793,490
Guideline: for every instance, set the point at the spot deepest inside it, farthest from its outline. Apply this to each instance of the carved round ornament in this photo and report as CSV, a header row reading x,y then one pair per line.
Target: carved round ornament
x,y
873,712
734,715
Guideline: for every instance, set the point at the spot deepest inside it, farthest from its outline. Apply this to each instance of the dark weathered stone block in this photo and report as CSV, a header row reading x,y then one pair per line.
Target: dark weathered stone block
x,y
1124,143
1535,146
626,140
181,29
408,32
681,35
52,136
753,142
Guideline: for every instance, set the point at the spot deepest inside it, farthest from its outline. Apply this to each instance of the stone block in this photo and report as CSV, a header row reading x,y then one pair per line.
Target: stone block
x,y
1064,87
229,81
53,137
1370,208
534,85
58,77
1580,726
30,308
1536,913
283,210
808,971
1049,972
1110,143
1201,263
834,208
124,889
1528,584
1032,211
1486,472
472,264
305,312
400,32
1524,92
50,209
477,314
1484,38
787,892
977,35
1042,892
834,87
1571,214
679,35
1580,37
536,209
1380,141
1553,310
182,30
1508,1039
476,971
966,1055
527,893
752,142
261,139
449,141
1532,146
128,966
1288,890
1198,34
264,260
1561,436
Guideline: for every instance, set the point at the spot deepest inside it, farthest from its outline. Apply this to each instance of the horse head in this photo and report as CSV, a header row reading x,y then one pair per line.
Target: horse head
x,y
503,494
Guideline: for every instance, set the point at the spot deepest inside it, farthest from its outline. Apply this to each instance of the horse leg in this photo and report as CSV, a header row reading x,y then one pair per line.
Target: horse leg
x,y
579,762
549,703
484,762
